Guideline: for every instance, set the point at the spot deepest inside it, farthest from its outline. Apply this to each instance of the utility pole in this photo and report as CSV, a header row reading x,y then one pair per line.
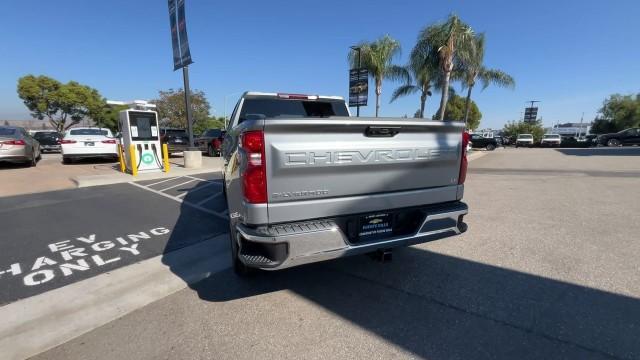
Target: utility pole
x,y
187,104
580,128
358,49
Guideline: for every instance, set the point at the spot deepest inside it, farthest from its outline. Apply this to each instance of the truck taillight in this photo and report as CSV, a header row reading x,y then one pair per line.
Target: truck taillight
x,y
463,162
254,179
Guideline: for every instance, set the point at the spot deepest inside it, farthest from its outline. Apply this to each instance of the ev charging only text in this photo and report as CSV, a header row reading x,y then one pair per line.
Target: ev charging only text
x,y
68,257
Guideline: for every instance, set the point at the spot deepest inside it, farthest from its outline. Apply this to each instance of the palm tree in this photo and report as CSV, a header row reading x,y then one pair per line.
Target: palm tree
x,y
472,69
423,68
376,57
452,41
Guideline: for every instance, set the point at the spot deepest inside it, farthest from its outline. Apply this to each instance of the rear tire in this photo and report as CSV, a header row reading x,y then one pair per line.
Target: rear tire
x,y
66,160
490,147
613,142
34,161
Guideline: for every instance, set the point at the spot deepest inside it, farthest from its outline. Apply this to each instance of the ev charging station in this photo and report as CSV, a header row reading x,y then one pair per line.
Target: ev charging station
x,y
142,151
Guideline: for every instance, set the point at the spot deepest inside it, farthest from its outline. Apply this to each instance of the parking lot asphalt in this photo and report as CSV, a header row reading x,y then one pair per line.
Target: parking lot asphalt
x,y
548,269
56,238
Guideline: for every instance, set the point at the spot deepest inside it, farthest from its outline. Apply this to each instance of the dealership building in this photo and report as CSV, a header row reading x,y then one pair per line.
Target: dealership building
x,y
570,129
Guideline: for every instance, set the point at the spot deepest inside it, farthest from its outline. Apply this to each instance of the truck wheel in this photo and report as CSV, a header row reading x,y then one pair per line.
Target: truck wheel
x,y
210,151
613,142
66,160
239,267
490,147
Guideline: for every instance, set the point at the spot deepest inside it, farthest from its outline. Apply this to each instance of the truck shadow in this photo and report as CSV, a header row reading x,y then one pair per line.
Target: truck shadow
x,y
602,151
439,306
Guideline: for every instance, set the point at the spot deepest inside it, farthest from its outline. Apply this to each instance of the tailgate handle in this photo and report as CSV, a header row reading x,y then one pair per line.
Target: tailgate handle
x,y
382,131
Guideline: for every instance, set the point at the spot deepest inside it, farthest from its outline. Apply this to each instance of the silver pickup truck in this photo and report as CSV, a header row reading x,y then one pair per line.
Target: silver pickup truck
x,y
304,182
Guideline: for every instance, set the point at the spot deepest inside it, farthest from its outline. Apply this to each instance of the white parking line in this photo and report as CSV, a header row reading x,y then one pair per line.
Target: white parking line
x,y
199,179
175,186
192,190
195,206
209,198
165,180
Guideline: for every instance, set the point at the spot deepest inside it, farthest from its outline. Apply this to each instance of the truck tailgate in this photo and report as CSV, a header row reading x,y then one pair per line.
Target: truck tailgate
x,y
328,167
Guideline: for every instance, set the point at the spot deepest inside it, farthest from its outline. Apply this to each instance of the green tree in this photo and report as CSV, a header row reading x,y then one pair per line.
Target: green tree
x,y
172,111
621,111
472,69
377,57
64,105
513,128
423,69
602,126
108,116
452,42
210,123
456,111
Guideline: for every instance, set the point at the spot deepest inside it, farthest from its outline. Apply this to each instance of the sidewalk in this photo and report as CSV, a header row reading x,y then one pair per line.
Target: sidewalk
x,y
177,168
51,174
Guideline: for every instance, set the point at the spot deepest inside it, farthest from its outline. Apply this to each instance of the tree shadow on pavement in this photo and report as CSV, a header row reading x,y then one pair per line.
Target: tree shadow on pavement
x,y
602,151
439,306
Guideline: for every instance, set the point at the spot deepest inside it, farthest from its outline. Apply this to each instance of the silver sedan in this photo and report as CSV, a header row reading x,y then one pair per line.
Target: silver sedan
x,y
17,146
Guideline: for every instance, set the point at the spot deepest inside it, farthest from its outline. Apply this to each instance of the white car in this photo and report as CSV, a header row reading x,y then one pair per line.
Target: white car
x,y
82,143
524,140
551,140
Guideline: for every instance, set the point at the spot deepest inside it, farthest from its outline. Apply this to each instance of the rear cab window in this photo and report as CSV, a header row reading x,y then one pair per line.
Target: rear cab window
x,y
274,108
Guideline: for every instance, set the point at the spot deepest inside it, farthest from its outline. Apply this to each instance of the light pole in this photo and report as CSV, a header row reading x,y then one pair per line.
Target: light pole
x,y
225,106
358,49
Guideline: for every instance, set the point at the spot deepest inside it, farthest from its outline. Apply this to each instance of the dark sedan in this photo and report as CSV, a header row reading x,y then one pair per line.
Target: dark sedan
x,y
17,146
624,137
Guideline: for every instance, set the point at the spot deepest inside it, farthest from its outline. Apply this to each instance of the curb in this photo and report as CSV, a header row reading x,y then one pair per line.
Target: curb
x,y
42,322
97,180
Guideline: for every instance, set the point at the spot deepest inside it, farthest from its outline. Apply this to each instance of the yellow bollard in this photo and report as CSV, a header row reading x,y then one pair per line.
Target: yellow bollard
x,y
165,157
132,158
121,158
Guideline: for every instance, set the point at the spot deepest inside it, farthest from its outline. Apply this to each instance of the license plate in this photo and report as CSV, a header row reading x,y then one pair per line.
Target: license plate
x,y
375,226
89,144
178,140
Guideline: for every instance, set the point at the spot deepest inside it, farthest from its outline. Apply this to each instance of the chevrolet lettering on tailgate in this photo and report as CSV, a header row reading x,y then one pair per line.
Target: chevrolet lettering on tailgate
x,y
357,157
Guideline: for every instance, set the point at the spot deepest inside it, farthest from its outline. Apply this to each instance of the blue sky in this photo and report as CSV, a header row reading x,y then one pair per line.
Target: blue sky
x,y
568,54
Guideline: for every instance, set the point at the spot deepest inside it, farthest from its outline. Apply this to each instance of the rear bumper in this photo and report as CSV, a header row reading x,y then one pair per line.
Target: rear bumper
x,y
14,158
177,147
50,147
291,244
90,152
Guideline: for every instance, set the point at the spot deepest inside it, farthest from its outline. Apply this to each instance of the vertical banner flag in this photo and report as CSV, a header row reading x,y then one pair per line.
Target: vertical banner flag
x,y
358,87
179,41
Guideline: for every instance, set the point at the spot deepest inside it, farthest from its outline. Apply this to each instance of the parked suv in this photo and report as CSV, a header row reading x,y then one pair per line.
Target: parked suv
x,y
177,140
211,141
524,140
49,140
551,140
480,142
